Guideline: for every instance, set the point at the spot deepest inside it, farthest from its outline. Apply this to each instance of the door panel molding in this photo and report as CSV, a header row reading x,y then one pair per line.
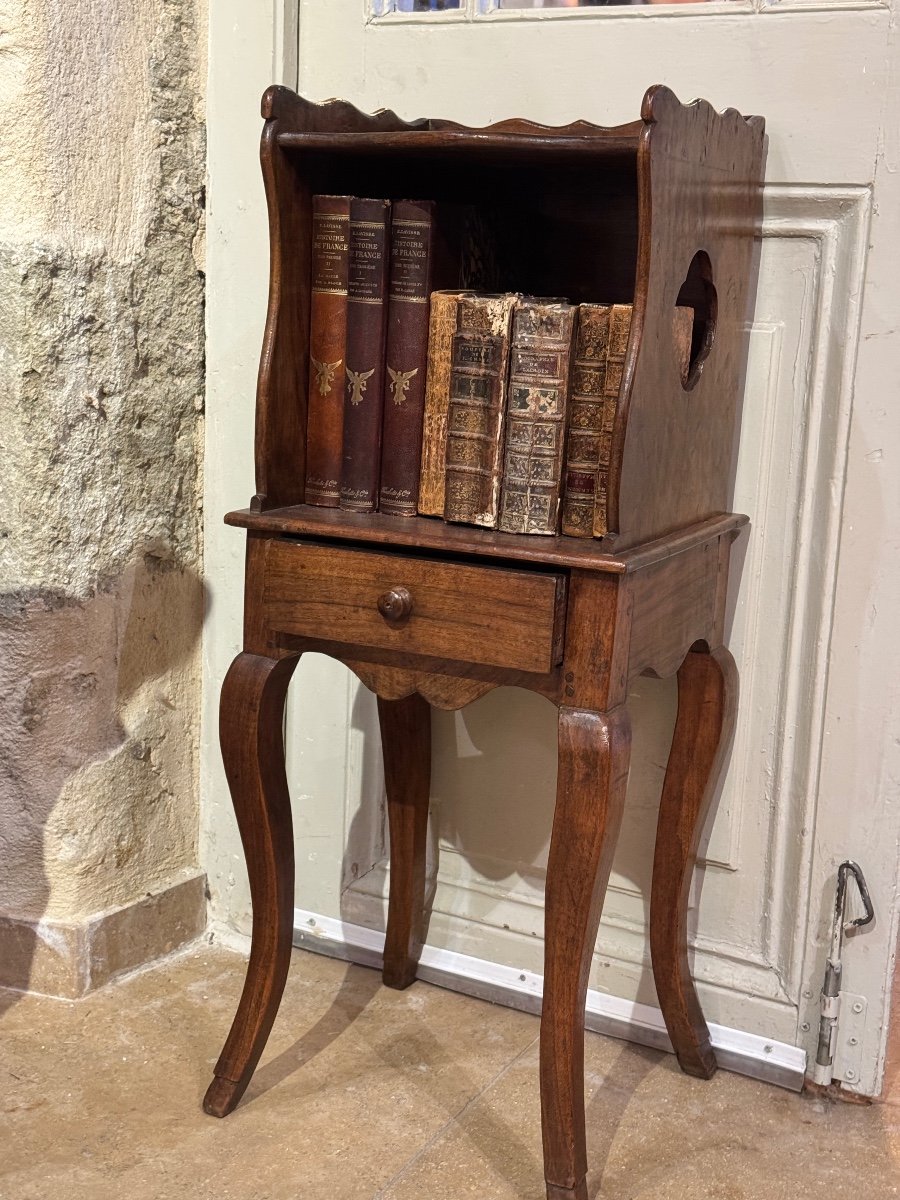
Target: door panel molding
x,y
836,220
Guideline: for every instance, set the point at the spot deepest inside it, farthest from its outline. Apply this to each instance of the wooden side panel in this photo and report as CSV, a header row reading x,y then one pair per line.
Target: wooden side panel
x,y
699,190
281,394
675,603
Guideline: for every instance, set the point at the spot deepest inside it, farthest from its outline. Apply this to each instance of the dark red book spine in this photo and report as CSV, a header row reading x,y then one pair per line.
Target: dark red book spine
x,y
364,372
327,345
406,359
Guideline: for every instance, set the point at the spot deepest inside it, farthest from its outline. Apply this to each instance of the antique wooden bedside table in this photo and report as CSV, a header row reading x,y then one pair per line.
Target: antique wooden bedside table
x,y
657,212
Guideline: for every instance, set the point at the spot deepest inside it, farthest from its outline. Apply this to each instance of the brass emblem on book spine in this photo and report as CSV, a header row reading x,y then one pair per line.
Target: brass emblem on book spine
x,y
400,381
325,374
358,380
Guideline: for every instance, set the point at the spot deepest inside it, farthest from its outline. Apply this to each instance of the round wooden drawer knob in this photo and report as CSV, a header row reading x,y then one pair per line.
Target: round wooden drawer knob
x,y
395,605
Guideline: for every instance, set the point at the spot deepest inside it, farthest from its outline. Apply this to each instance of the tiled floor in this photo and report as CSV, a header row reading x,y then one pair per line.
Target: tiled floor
x,y
365,1093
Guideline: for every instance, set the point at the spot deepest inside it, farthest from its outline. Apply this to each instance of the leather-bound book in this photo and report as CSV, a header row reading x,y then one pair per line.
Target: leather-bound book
x,y
619,329
585,419
601,340
364,371
475,418
683,332
406,358
441,328
327,334
536,403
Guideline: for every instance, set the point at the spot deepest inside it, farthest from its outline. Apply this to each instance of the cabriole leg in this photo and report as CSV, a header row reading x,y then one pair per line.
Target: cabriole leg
x,y
250,730
594,751
406,744
707,699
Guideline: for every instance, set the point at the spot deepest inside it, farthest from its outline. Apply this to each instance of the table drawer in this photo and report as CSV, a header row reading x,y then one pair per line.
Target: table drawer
x,y
474,614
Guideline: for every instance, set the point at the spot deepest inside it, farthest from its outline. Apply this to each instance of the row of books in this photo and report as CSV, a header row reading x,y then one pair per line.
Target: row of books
x,y
494,410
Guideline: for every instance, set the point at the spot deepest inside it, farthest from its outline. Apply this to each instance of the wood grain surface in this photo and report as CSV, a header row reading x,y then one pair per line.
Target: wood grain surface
x,y
455,541
699,189
250,730
475,614
707,703
406,745
594,750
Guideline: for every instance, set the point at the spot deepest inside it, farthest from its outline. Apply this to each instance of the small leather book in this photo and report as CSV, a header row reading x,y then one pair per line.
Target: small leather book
x,y
406,360
327,334
475,418
364,370
536,403
441,328
617,346
585,419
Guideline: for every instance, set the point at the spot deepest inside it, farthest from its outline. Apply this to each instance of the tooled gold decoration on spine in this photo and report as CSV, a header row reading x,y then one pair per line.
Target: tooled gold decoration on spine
x,y
475,424
536,404
585,419
442,326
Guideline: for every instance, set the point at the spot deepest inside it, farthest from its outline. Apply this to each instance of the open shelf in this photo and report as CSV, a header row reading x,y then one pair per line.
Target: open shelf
x,y
606,215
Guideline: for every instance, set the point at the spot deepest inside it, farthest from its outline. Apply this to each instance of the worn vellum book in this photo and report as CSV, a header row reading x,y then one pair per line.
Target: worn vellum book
x,y
442,326
475,419
583,453
536,404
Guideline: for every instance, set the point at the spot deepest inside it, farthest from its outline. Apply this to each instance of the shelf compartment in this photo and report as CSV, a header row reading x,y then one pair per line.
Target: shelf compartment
x,y
619,215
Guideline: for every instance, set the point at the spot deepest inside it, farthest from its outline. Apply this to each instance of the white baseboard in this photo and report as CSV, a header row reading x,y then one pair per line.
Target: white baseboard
x,y
744,1053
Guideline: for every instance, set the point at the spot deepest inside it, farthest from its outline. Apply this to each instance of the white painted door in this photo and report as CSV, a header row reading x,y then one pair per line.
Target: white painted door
x,y
813,774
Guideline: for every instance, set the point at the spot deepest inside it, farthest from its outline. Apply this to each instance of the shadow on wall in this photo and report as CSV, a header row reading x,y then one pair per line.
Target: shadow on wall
x,y
97,753
493,793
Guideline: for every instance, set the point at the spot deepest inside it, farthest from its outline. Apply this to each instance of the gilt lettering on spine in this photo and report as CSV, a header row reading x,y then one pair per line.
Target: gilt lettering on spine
x,y
536,405
364,372
327,348
478,376
406,363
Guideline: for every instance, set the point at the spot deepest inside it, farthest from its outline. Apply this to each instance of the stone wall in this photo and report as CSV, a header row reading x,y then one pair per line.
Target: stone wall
x,y
102,169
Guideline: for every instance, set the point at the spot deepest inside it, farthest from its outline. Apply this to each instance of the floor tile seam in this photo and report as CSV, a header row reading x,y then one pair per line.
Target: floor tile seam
x,y
454,1119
